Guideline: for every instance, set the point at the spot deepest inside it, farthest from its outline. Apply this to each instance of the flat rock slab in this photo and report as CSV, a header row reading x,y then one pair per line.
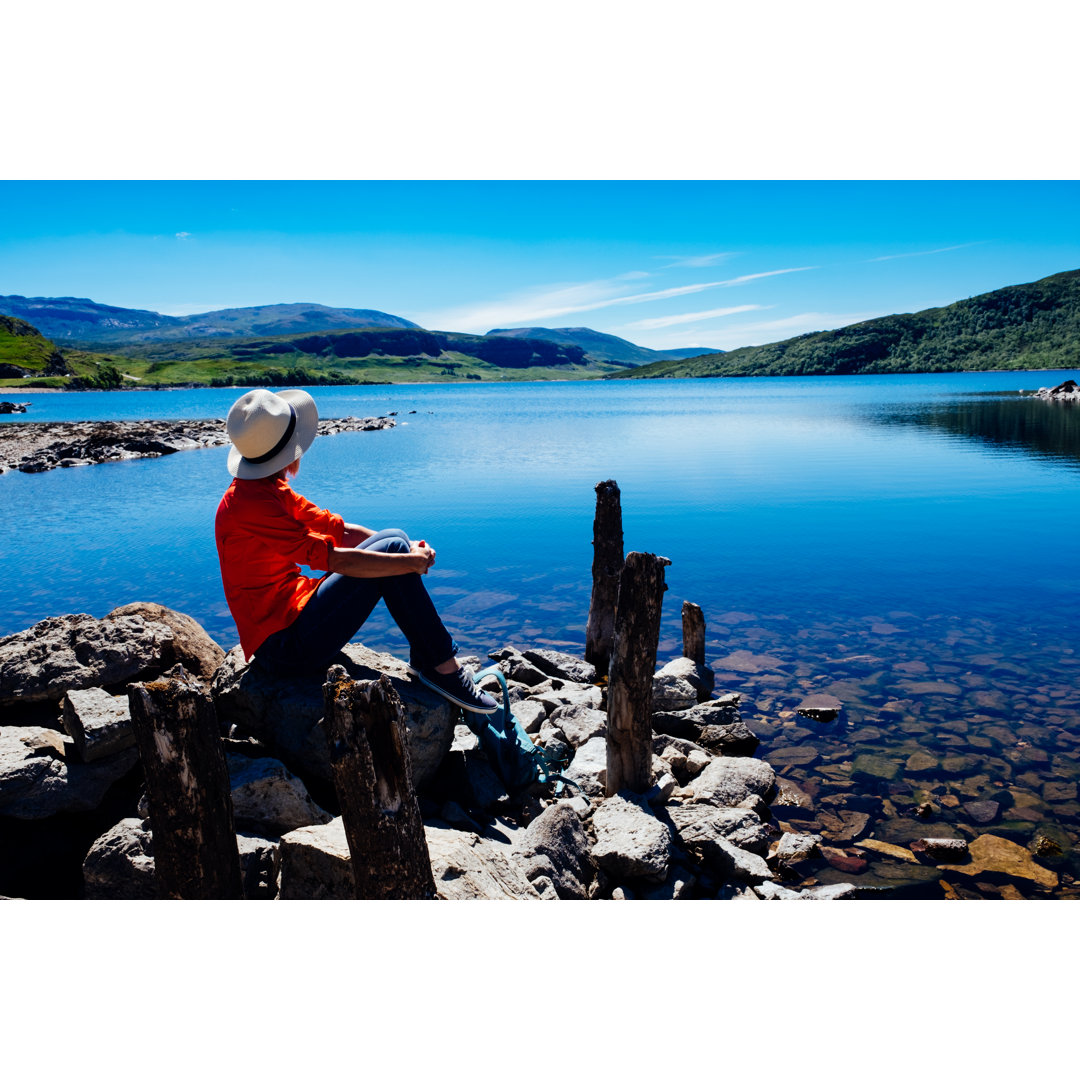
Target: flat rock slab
x,y
630,841
315,864
792,755
468,867
748,662
284,713
821,707
995,855
37,781
74,652
98,723
728,781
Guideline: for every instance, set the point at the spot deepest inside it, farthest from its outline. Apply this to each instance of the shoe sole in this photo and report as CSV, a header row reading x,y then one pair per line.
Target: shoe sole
x,y
468,707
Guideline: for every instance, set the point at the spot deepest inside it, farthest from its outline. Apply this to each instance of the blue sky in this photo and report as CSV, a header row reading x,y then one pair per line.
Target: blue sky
x,y
666,264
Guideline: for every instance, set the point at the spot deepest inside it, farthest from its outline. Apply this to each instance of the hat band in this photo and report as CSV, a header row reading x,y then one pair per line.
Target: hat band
x,y
281,443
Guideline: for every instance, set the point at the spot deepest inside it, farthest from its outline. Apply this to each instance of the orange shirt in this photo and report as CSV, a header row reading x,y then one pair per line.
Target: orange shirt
x,y
263,530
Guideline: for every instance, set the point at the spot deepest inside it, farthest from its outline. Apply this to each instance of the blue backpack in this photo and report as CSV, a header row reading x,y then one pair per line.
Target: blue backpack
x,y
517,760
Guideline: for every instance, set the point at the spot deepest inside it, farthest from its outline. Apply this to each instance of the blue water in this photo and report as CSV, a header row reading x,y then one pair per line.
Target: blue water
x,y
808,497
906,543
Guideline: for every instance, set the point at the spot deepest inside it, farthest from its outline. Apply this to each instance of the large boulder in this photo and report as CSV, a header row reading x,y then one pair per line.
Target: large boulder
x,y
191,645
120,864
630,841
588,769
555,846
560,665
699,824
727,781
284,712
468,867
315,865
73,652
270,799
39,776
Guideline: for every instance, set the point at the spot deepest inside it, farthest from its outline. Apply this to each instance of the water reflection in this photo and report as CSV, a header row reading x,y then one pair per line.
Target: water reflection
x,y
1044,428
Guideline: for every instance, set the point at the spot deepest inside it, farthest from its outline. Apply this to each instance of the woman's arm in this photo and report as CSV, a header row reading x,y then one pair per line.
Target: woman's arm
x,y
356,534
355,563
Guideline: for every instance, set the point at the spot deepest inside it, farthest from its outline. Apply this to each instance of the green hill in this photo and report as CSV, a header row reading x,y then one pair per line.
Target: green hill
x,y
1036,325
24,350
350,356
600,346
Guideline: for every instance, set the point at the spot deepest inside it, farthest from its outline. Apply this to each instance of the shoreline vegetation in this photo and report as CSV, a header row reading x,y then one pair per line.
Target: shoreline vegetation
x,y
1033,326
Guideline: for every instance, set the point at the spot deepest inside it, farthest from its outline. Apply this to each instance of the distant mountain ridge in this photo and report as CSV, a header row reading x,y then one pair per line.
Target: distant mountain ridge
x,y
600,346
1029,326
69,318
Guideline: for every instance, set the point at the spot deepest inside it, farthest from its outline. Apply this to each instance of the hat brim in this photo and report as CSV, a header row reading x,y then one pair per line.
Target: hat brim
x,y
307,427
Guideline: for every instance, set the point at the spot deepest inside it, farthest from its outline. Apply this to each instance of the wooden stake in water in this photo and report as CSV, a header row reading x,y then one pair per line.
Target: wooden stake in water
x,y
187,787
606,567
372,772
630,678
693,633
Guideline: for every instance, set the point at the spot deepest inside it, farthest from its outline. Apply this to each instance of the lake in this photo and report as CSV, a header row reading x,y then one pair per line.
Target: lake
x,y
907,543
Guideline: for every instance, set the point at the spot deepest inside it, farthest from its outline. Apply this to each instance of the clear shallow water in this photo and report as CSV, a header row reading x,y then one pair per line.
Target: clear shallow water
x,y
916,520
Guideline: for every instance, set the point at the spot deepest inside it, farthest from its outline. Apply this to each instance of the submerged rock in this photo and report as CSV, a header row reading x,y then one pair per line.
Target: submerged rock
x,y
995,855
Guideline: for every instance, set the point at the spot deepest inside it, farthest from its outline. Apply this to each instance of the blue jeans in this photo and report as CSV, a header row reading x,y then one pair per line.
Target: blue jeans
x,y
341,605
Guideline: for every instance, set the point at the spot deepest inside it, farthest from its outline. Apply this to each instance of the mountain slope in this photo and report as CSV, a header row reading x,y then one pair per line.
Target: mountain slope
x,y
75,319
349,356
599,346
24,350
1034,325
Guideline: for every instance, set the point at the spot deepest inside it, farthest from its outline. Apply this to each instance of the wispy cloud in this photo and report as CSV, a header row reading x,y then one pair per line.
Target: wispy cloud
x,y
913,254
690,316
182,235
534,306
751,333
696,261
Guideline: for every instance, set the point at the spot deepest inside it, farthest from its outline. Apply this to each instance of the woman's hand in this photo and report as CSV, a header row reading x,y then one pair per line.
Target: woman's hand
x,y
427,554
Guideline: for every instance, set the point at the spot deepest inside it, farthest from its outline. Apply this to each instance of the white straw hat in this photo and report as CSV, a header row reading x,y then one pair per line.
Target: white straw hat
x,y
269,431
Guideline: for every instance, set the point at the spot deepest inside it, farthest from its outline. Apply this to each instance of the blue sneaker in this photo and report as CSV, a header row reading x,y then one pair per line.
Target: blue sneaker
x,y
458,687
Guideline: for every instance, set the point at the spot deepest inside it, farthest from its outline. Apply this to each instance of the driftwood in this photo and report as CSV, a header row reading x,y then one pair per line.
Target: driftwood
x,y
369,760
693,633
187,787
607,565
630,679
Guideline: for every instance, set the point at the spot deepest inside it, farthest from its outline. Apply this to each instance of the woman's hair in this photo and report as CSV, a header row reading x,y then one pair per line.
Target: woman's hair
x,y
290,470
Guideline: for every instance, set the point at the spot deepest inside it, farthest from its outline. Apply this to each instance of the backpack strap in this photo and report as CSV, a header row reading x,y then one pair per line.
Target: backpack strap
x,y
547,762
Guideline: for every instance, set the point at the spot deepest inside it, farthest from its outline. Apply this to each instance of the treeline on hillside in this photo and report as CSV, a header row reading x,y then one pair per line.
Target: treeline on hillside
x,y
1036,325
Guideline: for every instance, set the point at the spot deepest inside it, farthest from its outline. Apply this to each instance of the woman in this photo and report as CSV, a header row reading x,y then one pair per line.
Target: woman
x,y
264,529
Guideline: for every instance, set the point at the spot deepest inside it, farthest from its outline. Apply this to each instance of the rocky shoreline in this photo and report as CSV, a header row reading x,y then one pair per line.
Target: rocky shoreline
x,y
718,823
39,447
1067,392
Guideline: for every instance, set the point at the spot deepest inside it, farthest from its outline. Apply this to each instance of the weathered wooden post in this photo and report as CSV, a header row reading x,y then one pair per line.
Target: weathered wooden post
x,y
187,787
630,678
369,760
606,567
693,633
